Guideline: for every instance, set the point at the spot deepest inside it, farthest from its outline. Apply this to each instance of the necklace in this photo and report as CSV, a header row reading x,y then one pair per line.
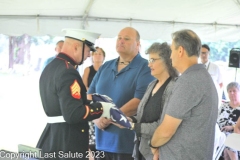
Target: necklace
x,y
125,63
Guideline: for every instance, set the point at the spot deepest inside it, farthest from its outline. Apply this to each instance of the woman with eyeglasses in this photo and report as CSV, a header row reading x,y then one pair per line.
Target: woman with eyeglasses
x,y
151,106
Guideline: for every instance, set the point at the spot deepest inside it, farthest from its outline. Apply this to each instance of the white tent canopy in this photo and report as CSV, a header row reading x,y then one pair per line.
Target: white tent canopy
x,y
212,20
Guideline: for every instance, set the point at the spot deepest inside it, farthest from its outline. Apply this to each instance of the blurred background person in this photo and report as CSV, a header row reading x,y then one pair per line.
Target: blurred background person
x,y
212,68
58,49
97,60
230,112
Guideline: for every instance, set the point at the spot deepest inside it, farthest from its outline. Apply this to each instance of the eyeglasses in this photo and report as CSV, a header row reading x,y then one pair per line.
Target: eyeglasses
x,y
152,60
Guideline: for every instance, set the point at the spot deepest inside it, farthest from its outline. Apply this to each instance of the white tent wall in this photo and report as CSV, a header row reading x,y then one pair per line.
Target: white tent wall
x,y
155,19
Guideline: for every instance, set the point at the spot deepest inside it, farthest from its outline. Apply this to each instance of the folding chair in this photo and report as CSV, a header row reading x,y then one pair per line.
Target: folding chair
x,y
218,153
30,153
219,146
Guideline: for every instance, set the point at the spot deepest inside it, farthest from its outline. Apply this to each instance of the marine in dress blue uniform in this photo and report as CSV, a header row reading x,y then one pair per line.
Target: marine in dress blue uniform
x,y
64,101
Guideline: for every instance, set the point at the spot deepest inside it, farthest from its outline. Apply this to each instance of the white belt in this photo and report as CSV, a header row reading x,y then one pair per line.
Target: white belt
x,y
57,119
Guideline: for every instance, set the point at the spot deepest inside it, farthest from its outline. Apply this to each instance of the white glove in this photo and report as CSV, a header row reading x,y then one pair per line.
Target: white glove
x,y
106,109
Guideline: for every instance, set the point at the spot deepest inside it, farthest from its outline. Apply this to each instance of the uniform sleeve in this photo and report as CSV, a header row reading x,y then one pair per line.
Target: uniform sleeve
x,y
70,99
144,79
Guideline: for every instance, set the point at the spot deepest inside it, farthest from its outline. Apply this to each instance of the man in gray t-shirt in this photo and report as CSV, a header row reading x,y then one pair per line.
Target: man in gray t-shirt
x,y
188,121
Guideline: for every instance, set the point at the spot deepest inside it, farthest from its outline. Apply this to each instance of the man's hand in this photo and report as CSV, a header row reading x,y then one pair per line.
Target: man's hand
x,y
120,126
130,119
156,156
227,128
155,153
102,122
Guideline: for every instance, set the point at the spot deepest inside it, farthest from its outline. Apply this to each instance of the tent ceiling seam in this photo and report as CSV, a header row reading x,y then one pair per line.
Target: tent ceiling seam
x,y
108,19
237,2
86,13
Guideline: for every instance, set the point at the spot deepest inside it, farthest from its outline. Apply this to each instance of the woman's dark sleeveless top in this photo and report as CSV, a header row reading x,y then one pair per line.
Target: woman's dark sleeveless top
x,y
91,74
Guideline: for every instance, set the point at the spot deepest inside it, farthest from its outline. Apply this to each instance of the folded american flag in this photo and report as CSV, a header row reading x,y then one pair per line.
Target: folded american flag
x,y
116,114
101,98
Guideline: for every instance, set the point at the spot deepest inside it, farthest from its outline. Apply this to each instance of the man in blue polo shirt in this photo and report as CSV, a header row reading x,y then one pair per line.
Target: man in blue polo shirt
x,y
125,80
58,49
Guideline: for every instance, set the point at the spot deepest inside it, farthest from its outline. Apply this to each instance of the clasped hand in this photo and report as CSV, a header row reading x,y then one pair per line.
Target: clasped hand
x,y
102,122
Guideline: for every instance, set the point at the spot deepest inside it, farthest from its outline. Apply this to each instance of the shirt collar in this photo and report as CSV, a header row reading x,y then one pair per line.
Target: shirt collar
x,y
68,59
207,63
134,63
193,67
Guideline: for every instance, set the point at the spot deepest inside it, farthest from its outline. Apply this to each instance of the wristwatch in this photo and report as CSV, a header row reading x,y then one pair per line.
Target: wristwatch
x,y
150,145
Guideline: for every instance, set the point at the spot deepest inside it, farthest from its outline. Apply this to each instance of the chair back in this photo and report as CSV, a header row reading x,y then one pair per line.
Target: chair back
x,y
233,141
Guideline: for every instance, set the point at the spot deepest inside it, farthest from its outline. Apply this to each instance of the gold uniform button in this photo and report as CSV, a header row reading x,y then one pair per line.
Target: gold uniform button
x,y
82,130
91,110
101,108
97,109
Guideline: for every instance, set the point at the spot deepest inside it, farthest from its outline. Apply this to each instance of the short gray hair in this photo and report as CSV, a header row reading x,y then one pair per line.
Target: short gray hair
x,y
189,40
164,51
233,85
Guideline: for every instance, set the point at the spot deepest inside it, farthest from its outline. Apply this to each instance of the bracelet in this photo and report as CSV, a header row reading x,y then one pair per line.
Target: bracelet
x,y
234,126
150,145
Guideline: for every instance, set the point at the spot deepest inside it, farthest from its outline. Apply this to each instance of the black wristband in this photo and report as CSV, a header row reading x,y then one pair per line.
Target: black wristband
x,y
150,145
134,120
